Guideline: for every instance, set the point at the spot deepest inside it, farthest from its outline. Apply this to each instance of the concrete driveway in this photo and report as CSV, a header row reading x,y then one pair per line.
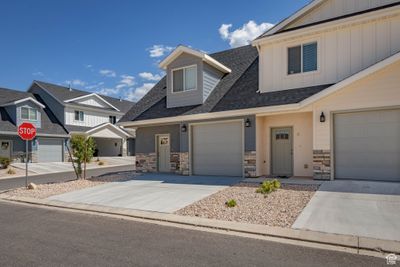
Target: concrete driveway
x,y
152,192
369,209
56,167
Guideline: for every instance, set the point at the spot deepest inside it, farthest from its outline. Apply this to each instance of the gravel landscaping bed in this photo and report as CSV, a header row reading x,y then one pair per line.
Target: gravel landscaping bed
x,y
279,208
51,189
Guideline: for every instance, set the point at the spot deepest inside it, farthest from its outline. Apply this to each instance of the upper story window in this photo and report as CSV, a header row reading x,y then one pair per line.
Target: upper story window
x,y
113,119
303,58
79,115
184,79
29,114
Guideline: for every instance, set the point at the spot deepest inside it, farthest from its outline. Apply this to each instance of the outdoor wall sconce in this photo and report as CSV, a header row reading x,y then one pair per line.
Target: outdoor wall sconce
x,y
184,128
247,123
322,117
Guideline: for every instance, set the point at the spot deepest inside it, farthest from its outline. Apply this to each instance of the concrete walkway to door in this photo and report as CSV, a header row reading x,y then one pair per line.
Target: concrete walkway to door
x,y
360,208
151,192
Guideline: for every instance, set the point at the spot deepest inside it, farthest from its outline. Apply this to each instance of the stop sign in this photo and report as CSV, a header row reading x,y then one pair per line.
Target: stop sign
x,y
27,131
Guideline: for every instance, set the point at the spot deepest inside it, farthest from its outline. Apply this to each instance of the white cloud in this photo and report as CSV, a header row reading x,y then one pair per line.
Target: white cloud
x,y
245,34
150,76
108,73
127,81
94,86
108,91
159,50
38,73
137,93
75,82
88,66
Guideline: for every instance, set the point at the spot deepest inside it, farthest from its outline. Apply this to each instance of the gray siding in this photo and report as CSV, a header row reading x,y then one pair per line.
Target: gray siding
x,y
131,146
211,78
38,122
12,112
189,98
145,138
249,134
51,103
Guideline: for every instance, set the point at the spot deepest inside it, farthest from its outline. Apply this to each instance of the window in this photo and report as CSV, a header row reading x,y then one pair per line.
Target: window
x,y
79,115
29,114
184,79
113,119
302,58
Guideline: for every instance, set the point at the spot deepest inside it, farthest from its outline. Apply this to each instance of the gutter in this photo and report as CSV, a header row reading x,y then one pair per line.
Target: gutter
x,y
38,134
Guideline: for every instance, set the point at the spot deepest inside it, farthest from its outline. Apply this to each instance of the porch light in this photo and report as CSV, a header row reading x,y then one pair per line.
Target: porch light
x,y
184,128
247,123
322,117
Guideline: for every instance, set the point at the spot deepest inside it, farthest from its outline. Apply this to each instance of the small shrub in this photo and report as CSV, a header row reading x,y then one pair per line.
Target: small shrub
x,y
4,162
231,203
100,163
268,186
11,171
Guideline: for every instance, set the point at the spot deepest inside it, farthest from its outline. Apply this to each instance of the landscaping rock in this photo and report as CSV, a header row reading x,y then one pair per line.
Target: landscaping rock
x,y
32,186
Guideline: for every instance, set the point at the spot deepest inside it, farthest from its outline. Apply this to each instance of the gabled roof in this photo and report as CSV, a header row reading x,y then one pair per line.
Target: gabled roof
x,y
62,93
29,98
49,123
237,90
206,58
89,95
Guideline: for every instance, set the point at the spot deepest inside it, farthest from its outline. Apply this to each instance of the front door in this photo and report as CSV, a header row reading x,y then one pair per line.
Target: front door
x,y
163,153
282,152
5,149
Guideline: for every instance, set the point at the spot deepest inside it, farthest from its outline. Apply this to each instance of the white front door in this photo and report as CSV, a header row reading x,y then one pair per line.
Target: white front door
x,y
5,149
282,152
163,153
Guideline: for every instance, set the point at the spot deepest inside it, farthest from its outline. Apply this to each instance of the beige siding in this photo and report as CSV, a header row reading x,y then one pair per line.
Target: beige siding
x,y
341,53
379,90
336,8
302,142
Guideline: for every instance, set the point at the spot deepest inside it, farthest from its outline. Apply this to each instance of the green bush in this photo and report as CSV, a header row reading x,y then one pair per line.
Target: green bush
x,y
4,162
268,186
231,203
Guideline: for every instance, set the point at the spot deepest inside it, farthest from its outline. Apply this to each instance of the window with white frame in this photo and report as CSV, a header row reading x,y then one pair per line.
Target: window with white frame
x,y
28,113
184,79
303,58
79,115
113,119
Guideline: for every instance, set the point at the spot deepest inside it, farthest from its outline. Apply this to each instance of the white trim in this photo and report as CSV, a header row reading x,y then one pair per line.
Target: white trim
x,y
89,95
302,72
172,78
107,125
93,108
183,49
38,134
23,100
273,109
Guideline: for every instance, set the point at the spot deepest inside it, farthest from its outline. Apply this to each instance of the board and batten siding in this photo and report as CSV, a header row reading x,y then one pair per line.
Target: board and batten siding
x,y
211,78
91,118
341,53
336,8
91,101
376,91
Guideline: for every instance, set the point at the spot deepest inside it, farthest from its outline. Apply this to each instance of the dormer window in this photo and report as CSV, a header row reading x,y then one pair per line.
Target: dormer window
x,y
29,114
184,79
302,58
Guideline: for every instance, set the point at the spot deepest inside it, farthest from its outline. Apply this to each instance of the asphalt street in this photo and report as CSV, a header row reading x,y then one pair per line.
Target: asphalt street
x,y
33,236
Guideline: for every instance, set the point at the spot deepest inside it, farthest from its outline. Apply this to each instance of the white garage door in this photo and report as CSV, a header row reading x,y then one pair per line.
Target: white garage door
x,y
50,150
217,149
367,145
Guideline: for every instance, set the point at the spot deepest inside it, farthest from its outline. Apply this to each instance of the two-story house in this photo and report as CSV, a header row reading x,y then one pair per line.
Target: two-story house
x,y
95,115
17,107
317,96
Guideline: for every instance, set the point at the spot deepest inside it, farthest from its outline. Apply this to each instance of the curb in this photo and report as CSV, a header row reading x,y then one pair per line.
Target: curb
x,y
347,241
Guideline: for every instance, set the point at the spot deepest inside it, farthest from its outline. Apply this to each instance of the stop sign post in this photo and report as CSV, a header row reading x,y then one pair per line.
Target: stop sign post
x,y
27,131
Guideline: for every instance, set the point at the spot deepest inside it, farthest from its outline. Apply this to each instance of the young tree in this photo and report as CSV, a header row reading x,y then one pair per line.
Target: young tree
x,y
82,152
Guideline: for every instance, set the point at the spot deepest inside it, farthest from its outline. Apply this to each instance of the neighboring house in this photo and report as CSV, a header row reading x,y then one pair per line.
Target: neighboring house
x,y
91,114
17,107
317,96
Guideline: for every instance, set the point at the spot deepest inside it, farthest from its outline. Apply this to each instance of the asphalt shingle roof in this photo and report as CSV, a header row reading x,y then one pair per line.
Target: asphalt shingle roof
x,y
236,90
49,123
63,93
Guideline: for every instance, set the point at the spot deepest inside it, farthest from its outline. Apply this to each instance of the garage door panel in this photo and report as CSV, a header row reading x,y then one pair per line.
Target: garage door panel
x,y
217,149
367,145
50,150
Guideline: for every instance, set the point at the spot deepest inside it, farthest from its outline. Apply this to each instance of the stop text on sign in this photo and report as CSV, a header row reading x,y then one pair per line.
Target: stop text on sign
x,y
27,131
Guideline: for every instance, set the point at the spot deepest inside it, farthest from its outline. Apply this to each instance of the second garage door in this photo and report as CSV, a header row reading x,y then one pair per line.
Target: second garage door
x,y
217,149
50,150
367,145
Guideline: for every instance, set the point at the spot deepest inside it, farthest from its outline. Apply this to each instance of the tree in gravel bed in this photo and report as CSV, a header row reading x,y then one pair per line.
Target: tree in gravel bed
x,y
82,152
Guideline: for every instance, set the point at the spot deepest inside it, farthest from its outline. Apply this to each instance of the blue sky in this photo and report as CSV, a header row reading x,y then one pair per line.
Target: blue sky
x,y
113,47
